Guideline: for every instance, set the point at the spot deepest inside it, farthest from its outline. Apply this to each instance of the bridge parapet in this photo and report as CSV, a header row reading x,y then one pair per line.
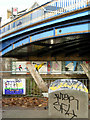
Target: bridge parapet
x,y
48,10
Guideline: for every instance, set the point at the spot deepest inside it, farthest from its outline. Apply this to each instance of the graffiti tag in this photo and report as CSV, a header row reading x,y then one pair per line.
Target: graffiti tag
x,y
65,107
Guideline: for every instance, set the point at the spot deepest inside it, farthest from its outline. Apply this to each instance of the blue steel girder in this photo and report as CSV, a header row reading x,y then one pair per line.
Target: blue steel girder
x,y
70,25
78,44
51,22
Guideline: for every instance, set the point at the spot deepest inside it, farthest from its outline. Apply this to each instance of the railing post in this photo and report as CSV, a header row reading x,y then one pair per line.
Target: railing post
x,y
56,7
69,5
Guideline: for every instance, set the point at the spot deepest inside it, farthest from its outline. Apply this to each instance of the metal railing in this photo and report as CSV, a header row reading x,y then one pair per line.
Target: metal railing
x,y
53,8
33,90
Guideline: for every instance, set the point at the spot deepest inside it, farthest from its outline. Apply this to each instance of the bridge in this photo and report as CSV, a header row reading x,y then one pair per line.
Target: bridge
x,y
57,29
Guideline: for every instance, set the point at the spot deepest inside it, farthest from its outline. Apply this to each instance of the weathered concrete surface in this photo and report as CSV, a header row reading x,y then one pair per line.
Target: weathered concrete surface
x,y
86,68
38,79
68,104
7,65
61,57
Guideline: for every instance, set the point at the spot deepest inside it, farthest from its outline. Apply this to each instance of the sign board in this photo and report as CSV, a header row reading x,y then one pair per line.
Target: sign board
x,y
14,11
13,86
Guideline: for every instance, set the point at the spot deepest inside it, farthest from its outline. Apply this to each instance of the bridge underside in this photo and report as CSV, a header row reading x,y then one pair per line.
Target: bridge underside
x,y
71,47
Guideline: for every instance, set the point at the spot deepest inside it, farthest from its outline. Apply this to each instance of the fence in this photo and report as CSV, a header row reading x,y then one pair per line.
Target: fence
x,y
33,90
53,8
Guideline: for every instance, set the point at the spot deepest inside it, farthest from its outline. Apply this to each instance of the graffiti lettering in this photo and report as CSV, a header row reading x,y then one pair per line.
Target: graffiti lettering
x,y
63,107
68,84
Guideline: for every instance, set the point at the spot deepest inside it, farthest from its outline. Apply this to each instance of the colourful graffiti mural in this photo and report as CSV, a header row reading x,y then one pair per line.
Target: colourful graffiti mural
x,y
48,67
62,84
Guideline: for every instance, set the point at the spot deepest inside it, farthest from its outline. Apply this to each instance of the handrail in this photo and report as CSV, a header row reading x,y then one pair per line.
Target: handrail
x,y
53,8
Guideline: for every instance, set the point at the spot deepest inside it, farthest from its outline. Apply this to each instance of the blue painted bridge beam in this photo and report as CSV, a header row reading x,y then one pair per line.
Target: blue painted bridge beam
x,y
78,24
72,27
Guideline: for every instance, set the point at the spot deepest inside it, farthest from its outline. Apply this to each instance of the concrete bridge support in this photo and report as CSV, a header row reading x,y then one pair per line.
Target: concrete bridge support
x,y
38,79
86,68
6,64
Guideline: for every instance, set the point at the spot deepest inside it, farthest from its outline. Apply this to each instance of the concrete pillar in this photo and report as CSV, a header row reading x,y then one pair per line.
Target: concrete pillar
x,y
39,81
68,99
86,68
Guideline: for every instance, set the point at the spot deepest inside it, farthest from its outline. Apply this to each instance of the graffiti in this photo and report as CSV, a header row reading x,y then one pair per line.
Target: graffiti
x,y
65,107
87,62
56,66
69,66
38,66
49,67
67,84
19,68
72,66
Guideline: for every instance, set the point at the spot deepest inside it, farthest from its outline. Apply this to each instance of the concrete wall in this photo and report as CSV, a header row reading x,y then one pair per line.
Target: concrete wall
x,y
7,66
68,104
